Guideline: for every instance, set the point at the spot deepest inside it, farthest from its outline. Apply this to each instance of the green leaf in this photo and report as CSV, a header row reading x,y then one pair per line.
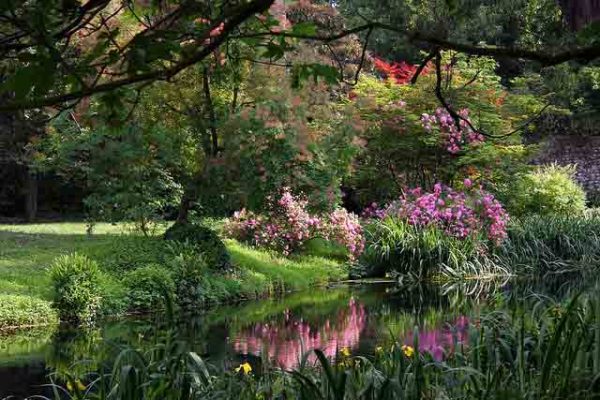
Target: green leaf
x,y
273,51
305,28
25,79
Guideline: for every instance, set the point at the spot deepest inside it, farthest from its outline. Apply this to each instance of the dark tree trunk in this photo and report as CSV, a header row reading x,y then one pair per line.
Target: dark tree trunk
x,y
579,13
210,111
184,208
31,196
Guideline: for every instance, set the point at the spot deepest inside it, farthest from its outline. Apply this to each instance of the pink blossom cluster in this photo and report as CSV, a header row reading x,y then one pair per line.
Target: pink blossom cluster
x,y
459,214
373,211
344,228
454,137
287,226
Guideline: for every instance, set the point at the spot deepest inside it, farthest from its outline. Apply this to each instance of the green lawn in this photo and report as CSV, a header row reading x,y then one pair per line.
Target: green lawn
x,y
26,252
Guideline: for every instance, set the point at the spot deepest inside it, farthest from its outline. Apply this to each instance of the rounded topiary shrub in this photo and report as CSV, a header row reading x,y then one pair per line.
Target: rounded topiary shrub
x,y
205,240
77,288
548,190
146,287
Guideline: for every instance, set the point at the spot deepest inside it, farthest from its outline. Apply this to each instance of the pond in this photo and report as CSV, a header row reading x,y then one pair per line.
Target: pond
x,y
356,317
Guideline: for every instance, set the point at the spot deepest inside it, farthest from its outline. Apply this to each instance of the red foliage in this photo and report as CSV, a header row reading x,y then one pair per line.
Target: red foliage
x,y
401,72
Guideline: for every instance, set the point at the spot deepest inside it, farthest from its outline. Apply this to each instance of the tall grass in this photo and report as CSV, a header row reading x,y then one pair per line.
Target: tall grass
x,y
536,245
396,247
552,352
555,244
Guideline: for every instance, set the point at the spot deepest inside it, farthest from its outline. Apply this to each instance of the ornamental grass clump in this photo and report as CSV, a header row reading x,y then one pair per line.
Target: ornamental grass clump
x,y
542,244
288,225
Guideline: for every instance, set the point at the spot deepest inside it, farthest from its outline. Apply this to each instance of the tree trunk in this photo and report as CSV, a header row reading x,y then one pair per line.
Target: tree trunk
x,y
210,110
31,196
579,13
184,207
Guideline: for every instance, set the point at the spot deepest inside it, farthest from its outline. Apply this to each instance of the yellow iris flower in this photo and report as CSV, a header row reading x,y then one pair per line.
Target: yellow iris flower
x,y
408,351
245,368
345,352
78,383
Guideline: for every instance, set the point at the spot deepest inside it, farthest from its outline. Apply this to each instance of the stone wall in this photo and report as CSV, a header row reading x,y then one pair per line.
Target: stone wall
x,y
584,151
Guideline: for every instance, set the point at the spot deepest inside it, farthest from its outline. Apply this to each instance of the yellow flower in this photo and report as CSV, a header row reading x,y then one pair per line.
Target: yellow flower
x,y
408,351
345,352
378,350
245,368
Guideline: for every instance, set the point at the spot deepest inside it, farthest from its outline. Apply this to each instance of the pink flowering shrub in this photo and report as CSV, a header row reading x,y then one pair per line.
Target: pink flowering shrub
x,y
373,211
471,213
287,226
454,138
344,228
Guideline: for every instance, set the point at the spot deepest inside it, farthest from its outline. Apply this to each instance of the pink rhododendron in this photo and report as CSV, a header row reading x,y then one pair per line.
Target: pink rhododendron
x,y
287,226
454,137
373,211
459,214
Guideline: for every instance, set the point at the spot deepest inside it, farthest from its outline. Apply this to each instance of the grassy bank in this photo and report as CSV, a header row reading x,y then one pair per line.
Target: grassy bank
x,y
27,251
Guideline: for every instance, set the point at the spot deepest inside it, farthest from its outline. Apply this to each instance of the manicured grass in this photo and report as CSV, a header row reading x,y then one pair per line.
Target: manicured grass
x,y
26,252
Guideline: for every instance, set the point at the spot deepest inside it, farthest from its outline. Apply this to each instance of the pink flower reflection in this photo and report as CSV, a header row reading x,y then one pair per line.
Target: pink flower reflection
x,y
437,341
286,343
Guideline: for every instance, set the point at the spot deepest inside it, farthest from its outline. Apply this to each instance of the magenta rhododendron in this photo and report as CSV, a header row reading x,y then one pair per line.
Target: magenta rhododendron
x,y
465,214
454,138
288,225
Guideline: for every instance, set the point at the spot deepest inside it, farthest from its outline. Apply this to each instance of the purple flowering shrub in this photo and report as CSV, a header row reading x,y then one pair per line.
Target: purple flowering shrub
x,y
460,214
454,138
288,225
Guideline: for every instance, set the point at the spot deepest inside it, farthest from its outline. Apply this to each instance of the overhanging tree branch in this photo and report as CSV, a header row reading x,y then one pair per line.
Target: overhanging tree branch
x,y
547,57
230,23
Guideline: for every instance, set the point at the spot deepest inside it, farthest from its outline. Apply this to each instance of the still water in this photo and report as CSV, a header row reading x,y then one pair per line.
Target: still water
x,y
356,317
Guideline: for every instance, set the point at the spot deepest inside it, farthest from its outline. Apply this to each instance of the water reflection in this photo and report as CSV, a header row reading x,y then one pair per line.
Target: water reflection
x,y
358,318
440,341
286,342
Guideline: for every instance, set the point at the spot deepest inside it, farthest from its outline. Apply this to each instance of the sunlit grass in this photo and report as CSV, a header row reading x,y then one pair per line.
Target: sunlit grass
x,y
27,250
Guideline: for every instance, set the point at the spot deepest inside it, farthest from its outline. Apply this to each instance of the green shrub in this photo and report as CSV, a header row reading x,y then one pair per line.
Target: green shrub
x,y
129,252
114,295
76,281
17,310
395,247
548,190
188,268
205,240
146,287
552,243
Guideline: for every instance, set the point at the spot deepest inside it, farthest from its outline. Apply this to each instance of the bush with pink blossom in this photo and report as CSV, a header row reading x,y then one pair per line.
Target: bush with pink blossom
x,y
444,231
287,226
460,214
454,137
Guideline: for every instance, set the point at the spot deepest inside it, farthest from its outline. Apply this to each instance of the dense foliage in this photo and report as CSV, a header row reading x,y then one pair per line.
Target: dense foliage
x,y
548,190
76,281
411,141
